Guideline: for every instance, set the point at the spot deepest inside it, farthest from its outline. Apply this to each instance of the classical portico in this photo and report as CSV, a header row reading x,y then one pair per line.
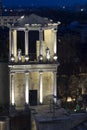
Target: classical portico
x,y
39,74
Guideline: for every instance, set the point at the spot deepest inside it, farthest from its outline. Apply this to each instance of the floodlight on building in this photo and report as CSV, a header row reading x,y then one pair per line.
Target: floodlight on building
x,y
12,58
22,17
55,57
41,58
26,58
69,99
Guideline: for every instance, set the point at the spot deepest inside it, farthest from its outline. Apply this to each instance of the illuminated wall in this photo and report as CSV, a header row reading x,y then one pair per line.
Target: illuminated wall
x,y
33,85
48,42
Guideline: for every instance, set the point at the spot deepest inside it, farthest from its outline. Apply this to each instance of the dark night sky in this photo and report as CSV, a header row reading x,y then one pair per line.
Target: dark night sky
x,y
42,2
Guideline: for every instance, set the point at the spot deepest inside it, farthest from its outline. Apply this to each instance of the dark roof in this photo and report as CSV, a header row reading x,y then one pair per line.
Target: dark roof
x,y
32,19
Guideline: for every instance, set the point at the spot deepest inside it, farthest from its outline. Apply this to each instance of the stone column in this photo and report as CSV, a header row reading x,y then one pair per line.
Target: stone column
x,y
26,45
41,87
55,87
11,45
26,88
55,44
15,43
12,98
41,40
10,31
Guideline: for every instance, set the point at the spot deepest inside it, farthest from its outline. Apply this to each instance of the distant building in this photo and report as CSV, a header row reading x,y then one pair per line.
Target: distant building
x,y
4,20
33,79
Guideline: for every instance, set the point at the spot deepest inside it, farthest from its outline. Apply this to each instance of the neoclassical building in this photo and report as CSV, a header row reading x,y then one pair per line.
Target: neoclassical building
x,y
32,79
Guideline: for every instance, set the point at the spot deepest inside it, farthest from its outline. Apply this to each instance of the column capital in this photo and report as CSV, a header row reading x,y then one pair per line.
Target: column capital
x,y
55,30
41,30
55,72
12,73
41,72
26,30
12,30
27,72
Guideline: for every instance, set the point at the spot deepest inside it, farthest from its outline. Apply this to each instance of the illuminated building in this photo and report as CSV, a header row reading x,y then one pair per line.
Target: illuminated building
x,y
38,75
4,20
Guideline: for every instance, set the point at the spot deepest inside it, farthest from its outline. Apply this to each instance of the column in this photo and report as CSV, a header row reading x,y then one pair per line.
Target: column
x,y
27,88
55,87
41,87
12,42
11,45
12,98
55,41
41,40
26,45
15,43
55,44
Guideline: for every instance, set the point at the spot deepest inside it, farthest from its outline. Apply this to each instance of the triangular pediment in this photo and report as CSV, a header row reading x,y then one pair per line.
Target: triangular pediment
x,y
32,19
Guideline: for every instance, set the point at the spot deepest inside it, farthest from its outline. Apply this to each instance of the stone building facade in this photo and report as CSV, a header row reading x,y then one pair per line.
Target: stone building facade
x,y
33,80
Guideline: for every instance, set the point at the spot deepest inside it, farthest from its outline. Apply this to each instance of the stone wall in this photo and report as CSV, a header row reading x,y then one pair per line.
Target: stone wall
x,y
33,85
19,89
48,42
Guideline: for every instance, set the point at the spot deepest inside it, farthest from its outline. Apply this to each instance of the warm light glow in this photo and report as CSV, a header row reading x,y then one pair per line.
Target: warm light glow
x,y
69,99
26,58
41,57
12,58
55,57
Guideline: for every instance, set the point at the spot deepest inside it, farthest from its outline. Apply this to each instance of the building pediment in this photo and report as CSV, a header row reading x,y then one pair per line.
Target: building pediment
x,y
32,19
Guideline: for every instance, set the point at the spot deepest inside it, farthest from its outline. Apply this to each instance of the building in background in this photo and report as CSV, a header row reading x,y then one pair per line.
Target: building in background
x,y
32,77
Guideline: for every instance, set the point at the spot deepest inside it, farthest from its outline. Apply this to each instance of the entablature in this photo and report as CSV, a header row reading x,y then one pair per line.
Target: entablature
x,y
33,68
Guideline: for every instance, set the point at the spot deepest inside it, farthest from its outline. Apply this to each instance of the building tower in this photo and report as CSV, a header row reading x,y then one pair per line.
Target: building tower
x,y
0,7
32,79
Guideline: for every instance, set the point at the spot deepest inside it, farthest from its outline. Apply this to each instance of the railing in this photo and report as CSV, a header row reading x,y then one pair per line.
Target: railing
x,y
32,58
